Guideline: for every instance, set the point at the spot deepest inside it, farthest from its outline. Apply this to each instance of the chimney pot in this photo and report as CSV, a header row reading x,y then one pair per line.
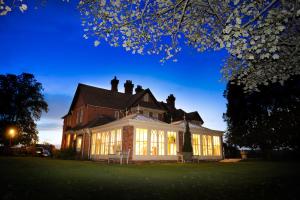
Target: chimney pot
x,y
114,84
128,86
171,101
138,89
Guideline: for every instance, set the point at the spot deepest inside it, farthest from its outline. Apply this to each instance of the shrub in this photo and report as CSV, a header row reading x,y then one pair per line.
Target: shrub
x,y
66,154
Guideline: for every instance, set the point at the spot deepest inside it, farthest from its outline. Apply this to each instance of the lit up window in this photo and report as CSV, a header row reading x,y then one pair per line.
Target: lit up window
x,y
112,142
104,143
68,140
98,143
119,140
207,145
196,144
172,143
217,146
78,144
161,143
204,145
154,143
157,143
141,141
93,144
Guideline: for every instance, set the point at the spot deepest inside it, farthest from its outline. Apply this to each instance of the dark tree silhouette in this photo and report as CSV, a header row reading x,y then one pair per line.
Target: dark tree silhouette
x,y
187,145
22,103
268,119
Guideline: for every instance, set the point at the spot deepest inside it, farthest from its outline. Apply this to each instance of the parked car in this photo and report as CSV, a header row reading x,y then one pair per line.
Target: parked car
x,y
40,151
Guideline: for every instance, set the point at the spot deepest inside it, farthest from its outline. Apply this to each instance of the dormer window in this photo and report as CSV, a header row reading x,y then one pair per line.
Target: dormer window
x,y
146,97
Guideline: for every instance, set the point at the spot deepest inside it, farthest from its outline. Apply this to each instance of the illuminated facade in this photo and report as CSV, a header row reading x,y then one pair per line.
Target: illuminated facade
x,y
102,122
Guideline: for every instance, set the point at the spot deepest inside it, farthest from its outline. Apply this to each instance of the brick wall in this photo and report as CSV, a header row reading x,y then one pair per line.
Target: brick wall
x,y
127,140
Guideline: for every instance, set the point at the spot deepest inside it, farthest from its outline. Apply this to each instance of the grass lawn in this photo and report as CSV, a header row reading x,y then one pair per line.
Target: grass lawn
x,y
38,178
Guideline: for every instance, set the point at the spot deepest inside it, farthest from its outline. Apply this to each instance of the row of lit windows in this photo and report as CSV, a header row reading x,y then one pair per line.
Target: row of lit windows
x,y
108,142
157,142
210,145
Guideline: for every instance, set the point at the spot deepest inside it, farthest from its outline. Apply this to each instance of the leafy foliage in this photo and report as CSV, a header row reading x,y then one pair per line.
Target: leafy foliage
x,y
268,119
261,37
251,31
22,103
187,145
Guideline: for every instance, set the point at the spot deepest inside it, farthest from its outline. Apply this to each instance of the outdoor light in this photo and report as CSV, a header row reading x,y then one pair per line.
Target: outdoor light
x,y
12,133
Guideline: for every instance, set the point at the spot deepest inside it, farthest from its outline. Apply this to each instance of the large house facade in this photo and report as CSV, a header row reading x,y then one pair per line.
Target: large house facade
x,y
103,122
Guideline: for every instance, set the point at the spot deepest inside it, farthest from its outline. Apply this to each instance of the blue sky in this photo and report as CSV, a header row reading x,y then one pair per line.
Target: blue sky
x,y
48,42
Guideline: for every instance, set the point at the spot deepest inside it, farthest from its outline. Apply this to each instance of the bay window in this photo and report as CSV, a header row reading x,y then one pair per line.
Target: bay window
x,y
217,146
196,144
172,143
141,141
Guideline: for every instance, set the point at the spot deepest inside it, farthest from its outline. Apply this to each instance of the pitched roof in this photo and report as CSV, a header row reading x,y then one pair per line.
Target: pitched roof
x,y
178,114
106,98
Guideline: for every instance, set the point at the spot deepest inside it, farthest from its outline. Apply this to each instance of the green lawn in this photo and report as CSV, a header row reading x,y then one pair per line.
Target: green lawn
x,y
38,178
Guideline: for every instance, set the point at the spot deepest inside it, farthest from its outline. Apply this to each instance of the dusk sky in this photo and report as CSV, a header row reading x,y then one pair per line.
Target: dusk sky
x,y
48,42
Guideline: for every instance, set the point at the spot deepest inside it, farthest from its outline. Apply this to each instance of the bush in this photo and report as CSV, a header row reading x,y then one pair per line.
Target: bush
x,y
66,154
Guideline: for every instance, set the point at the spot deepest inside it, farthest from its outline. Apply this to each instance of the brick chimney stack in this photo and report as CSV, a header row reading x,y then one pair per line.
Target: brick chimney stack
x,y
114,84
128,87
138,89
171,101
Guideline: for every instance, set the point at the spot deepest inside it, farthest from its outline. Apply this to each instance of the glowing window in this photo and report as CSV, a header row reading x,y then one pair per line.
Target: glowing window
x,y
98,143
119,140
93,144
78,144
209,145
68,140
172,143
161,143
196,144
204,145
141,141
154,143
157,143
217,145
112,142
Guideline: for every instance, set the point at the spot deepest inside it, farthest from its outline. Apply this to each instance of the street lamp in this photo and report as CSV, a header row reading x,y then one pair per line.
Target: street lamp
x,y
12,133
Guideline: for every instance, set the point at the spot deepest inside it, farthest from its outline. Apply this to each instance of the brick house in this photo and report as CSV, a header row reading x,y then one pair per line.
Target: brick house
x,y
102,122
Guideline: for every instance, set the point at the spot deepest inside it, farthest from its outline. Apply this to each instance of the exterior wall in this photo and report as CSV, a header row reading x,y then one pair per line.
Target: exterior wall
x,y
127,140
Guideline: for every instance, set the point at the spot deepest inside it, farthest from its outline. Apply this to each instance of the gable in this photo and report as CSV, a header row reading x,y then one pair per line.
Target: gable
x,y
145,99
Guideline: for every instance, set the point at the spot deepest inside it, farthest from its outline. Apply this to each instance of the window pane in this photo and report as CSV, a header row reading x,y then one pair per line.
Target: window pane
x,y
204,145
161,143
154,143
112,142
172,143
78,144
217,146
93,143
141,141
119,140
209,145
196,144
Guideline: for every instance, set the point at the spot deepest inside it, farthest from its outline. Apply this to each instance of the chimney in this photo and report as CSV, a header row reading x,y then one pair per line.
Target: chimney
x,y
114,84
128,87
138,89
171,101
